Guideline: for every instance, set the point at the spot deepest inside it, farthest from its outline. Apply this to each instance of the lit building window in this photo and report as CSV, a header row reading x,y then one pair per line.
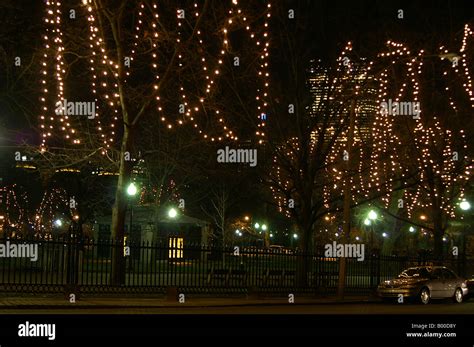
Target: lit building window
x,y
176,248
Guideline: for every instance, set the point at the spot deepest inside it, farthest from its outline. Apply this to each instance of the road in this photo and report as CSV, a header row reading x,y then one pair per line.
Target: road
x,y
339,321
437,307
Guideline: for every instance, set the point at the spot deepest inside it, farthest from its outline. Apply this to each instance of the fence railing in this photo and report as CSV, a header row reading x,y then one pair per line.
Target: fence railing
x,y
86,265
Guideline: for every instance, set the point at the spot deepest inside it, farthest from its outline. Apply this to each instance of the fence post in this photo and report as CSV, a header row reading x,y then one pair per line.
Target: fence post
x,y
72,263
372,268
378,266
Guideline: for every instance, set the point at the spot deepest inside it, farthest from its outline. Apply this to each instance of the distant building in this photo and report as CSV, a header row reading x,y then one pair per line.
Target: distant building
x,y
151,227
322,87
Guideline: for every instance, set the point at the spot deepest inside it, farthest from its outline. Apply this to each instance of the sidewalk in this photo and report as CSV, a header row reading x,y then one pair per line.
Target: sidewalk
x,y
39,302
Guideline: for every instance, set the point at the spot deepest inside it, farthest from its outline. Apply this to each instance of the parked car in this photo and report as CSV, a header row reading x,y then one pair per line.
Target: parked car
x,y
470,288
425,283
251,251
280,249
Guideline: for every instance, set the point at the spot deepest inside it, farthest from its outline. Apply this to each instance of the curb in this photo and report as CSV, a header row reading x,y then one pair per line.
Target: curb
x,y
197,305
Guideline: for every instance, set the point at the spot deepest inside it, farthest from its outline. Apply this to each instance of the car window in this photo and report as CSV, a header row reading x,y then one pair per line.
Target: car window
x,y
437,273
448,274
415,272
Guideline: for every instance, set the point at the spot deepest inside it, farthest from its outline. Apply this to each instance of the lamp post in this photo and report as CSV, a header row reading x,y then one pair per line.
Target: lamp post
x,y
464,206
367,223
371,217
263,229
266,236
131,191
293,237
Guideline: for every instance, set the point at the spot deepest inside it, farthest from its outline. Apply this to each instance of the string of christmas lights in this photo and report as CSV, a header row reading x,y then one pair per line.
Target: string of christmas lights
x,y
53,204
211,74
433,146
264,73
387,163
104,72
54,48
385,140
93,42
101,66
13,212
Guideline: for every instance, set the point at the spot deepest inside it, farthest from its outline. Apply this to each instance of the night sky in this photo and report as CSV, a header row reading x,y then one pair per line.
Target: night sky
x,y
323,27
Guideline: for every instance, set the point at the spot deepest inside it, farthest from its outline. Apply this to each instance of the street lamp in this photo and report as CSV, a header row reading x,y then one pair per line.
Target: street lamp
x,y
264,227
293,237
58,226
412,230
257,226
465,205
172,213
131,191
372,216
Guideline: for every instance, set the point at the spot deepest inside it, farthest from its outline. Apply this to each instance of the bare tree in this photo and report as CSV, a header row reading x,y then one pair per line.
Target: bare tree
x,y
427,148
220,201
147,62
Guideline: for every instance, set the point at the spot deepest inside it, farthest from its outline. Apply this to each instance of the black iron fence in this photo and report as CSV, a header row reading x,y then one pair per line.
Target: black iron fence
x,y
85,265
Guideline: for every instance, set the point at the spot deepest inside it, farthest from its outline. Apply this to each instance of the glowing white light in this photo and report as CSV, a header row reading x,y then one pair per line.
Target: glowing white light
x,y
172,213
465,205
132,189
372,215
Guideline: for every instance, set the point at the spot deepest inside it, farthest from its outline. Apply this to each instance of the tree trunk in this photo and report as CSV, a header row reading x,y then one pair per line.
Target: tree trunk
x,y
119,211
438,232
304,259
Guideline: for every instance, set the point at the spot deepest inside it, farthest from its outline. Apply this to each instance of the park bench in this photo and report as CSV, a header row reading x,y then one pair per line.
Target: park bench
x,y
325,278
278,276
238,277
227,276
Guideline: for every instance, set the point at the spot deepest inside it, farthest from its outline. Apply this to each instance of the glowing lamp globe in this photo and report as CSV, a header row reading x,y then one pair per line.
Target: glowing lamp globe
x,y
465,205
132,189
